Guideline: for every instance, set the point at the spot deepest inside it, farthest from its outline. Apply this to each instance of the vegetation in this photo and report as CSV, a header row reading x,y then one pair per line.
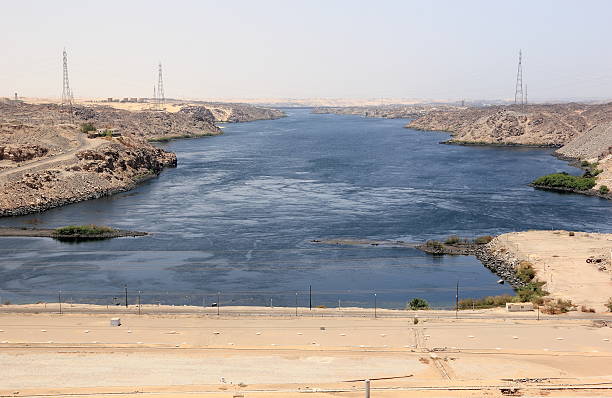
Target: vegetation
x,y
483,240
564,180
418,304
83,230
531,292
487,302
609,304
452,240
525,271
559,306
87,127
604,189
434,244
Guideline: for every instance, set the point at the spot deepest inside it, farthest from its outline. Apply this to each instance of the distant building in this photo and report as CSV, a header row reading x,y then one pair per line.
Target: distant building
x,y
110,99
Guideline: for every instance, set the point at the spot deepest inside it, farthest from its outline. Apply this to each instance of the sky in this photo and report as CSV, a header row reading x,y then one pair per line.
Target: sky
x,y
308,49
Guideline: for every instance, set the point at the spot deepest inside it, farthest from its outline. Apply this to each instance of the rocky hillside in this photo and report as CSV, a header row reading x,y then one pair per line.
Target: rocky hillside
x,y
236,113
47,161
582,132
192,121
385,111
540,125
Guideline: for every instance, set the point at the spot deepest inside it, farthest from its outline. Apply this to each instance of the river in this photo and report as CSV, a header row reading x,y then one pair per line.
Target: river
x,y
238,213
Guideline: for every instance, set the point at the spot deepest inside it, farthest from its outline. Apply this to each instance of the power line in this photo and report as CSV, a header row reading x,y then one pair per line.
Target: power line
x,y
519,82
160,88
67,96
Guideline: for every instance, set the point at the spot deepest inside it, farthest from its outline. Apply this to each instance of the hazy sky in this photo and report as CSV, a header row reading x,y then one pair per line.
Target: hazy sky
x,y
298,49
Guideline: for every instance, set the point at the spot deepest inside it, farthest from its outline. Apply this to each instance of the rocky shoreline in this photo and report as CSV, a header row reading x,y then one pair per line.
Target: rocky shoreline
x,y
502,266
51,156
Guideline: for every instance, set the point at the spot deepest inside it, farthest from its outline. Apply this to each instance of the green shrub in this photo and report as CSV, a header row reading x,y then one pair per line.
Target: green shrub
x,y
525,271
86,230
486,302
531,292
434,244
564,180
452,240
603,189
558,307
87,127
483,240
418,304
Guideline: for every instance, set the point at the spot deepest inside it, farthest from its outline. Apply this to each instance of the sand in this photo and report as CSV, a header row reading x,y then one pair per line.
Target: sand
x,y
282,355
560,260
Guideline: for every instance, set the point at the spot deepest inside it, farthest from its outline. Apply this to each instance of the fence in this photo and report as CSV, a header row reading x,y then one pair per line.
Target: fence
x,y
309,298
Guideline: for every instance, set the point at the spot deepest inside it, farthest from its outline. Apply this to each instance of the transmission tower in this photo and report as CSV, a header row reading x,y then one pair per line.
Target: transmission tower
x,y
66,92
519,97
160,88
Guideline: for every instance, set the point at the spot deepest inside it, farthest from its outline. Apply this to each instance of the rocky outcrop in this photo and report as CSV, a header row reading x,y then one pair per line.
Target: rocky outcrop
x,y
238,113
110,168
537,125
150,124
384,111
21,153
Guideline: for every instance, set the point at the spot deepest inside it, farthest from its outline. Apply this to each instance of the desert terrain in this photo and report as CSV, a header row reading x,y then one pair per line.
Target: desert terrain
x,y
560,260
321,352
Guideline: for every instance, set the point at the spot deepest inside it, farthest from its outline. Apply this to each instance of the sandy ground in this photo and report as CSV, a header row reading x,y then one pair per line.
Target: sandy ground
x,y
560,260
286,356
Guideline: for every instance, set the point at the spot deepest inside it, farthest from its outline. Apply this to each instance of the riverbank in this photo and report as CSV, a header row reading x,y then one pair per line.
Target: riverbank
x,y
583,133
51,155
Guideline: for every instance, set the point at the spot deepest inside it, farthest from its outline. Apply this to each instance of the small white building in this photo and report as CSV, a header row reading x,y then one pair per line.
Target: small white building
x,y
517,307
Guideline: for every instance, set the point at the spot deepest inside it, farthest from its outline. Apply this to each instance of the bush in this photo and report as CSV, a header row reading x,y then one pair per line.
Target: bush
x,y
486,302
483,240
71,230
87,127
418,304
434,244
531,292
609,304
603,189
564,180
558,307
584,308
452,240
525,271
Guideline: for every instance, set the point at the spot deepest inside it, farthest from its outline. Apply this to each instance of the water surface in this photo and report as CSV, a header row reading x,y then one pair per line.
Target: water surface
x,y
238,213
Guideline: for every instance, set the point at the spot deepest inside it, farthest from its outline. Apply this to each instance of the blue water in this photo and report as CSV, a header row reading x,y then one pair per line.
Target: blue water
x,y
238,213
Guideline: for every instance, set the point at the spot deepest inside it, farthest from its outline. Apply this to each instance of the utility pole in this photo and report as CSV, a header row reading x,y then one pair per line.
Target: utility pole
x,y
126,298
310,298
457,302
374,305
